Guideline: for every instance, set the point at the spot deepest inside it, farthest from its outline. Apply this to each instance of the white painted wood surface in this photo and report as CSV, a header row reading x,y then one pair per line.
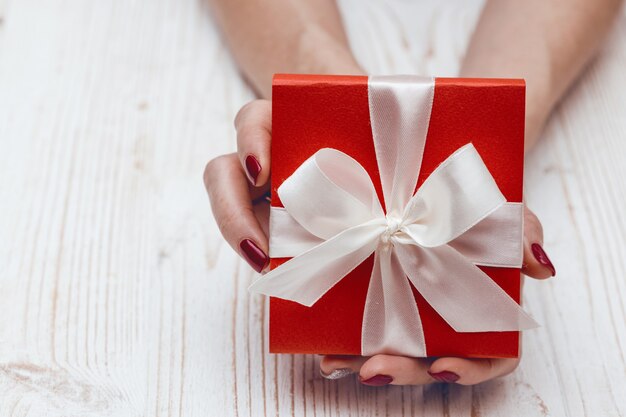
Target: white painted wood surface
x,y
117,295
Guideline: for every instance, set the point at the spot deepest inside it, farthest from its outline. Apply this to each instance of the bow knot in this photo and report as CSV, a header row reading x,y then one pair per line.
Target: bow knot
x,y
394,225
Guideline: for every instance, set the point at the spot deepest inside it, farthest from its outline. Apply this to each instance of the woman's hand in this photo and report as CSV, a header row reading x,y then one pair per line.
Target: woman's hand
x,y
237,185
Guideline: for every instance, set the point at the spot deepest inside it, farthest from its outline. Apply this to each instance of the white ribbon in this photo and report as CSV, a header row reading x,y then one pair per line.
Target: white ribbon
x,y
333,220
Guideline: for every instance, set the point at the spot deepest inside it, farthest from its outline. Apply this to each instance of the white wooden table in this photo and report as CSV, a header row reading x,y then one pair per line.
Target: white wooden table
x,y
118,296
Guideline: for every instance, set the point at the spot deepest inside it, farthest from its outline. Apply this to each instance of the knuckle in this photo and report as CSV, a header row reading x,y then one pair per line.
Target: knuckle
x,y
230,220
241,114
246,132
226,221
246,109
214,166
209,170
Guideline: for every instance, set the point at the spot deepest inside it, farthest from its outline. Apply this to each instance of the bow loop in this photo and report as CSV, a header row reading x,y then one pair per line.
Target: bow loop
x,y
349,197
457,195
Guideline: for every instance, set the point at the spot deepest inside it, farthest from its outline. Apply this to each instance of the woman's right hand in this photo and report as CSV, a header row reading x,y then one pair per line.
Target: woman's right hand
x,y
238,185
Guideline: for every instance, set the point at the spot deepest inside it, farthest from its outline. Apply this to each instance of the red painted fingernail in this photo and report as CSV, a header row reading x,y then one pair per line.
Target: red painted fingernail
x,y
253,168
377,380
541,257
444,376
255,256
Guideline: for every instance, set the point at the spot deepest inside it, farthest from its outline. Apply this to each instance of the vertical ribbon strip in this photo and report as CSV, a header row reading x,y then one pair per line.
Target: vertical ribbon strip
x,y
433,239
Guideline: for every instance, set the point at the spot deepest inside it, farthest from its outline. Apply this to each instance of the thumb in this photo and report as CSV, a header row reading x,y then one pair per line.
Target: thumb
x,y
536,262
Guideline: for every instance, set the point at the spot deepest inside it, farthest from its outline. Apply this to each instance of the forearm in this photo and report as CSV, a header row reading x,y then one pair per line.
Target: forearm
x,y
266,37
546,42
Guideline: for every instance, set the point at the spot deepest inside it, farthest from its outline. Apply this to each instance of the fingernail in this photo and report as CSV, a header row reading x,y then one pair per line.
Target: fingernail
x,y
253,168
541,257
337,373
444,376
255,256
377,380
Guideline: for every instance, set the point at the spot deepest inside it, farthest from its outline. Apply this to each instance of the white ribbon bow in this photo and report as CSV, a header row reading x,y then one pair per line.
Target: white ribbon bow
x,y
333,220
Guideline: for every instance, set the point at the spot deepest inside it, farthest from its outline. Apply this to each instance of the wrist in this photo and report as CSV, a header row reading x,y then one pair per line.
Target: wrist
x,y
318,52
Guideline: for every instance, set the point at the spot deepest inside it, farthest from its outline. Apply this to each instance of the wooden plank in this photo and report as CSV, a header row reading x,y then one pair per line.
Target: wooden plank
x,y
118,296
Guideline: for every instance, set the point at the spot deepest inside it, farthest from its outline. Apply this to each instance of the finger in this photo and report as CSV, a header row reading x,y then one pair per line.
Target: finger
x,y
254,133
536,262
471,371
396,370
339,366
232,208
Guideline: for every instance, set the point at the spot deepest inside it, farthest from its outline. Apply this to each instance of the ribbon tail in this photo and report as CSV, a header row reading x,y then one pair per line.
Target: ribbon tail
x,y
465,297
391,321
307,277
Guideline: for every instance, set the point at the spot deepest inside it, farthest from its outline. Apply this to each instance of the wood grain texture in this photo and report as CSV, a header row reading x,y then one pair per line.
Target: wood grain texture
x,y
119,298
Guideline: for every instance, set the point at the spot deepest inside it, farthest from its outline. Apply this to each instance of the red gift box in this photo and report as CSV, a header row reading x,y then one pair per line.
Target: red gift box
x,y
310,112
